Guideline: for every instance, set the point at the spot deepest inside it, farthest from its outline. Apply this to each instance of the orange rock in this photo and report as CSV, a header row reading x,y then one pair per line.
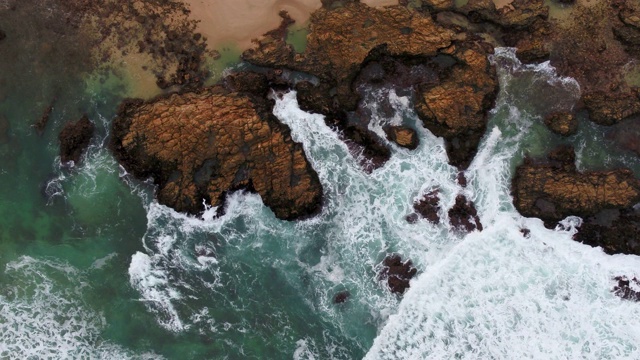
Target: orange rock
x,y
200,145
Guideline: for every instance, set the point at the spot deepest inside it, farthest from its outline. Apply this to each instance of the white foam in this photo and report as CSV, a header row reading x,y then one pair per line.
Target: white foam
x,y
499,295
43,316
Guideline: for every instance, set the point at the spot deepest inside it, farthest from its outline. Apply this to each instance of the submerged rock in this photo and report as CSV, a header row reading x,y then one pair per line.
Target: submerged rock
x,y
562,123
42,122
464,216
397,273
552,190
74,139
197,146
341,297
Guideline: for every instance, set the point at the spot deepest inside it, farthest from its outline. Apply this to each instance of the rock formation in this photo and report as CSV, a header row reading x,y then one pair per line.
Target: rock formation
x,y
555,189
200,145
624,290
397,273
562,123
463,215
427,207
403,136
74,139
343,40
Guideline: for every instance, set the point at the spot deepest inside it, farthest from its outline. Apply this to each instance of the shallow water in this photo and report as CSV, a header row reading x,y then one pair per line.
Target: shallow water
x,y
91,266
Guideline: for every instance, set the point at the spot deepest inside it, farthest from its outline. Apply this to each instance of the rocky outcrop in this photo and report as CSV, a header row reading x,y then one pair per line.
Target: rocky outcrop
x,y
397,273
74,139
427,207
403,136
197,146
624,290
615,230
456,86
457,108
463,216
554,189
562,123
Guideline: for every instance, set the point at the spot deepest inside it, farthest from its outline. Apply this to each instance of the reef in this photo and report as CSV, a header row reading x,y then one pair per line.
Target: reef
x,y
199,145
397,273
554,189
74,139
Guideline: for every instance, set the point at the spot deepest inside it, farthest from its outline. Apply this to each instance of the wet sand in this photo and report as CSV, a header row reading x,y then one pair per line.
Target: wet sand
x,y
236,22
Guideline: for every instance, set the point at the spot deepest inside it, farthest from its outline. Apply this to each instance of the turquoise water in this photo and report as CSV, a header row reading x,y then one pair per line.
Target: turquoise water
x,y
92,267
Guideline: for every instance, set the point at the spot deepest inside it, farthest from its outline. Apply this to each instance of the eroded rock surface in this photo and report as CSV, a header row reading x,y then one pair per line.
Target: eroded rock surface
x,y
200,145
427,207
403,136
555,189
74,139
562,123
397,273
615,230
345,39
463,215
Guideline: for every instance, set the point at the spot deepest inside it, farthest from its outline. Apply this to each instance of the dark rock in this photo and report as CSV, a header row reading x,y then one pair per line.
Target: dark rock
x,y
464,216
615,230
461,179
562,123
623,289
626,135
403,136
429,206
525,232
74,139
3,35
397,273
374,152
341,297
552,190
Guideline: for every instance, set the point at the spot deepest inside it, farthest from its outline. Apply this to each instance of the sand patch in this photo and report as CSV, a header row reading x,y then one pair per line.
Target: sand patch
x,y
239,21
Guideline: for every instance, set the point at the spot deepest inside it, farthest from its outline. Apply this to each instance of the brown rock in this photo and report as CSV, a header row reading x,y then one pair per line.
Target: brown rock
x,y
562,123
397,273
611,107
429,206
74,139
464,216
404,136
200,145
457,108
553,191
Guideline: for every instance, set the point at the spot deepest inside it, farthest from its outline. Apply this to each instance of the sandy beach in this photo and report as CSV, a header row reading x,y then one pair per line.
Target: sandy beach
x,y
239,21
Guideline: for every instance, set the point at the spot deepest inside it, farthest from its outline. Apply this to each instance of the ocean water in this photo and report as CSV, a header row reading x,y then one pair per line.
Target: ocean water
x,y
92,267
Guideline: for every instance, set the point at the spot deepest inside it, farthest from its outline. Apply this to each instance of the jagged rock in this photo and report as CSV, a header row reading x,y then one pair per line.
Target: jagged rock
x,y
554,190
457,108
404,136
344,40
429,206
200,145
623,289
461,179
615,230
397,273
562,123
74,139
464,216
